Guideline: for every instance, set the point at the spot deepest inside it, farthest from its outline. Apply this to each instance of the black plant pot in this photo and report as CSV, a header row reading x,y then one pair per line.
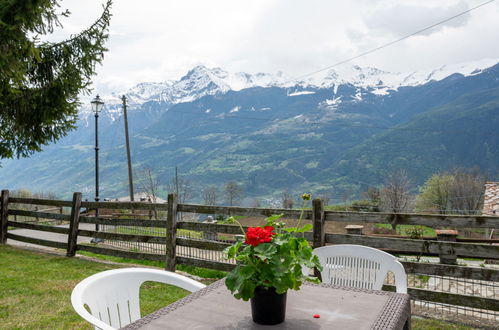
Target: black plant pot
x,y
267,306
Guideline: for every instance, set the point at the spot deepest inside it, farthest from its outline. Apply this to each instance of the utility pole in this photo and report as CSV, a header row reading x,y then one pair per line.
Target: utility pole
x,y
130,179
176,182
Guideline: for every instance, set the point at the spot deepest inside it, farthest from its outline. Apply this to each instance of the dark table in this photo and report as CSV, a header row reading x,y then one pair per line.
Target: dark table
x,y
339,308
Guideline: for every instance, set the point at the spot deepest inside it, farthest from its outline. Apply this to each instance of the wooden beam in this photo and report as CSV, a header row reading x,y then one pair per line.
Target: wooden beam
x,y
205,245
74,224
125,205
474,273
197,226
171,233
120,253
4,216
429,220
39,201
245,211
43,215
122,237
37,241
50,229
319,233
206,264
417,246
124,222
450,298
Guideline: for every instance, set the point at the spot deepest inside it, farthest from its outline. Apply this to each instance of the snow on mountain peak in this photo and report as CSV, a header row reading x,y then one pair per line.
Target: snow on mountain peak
x,y
201,81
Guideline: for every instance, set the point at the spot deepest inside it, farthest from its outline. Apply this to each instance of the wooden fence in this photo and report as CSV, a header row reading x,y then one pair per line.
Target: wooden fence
x,y
318,237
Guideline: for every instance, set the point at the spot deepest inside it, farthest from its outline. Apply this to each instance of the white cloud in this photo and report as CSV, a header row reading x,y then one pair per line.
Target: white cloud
x,y
157,40
401,19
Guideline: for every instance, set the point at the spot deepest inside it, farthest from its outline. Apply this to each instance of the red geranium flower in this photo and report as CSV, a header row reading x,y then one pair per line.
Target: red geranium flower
x,y
257,235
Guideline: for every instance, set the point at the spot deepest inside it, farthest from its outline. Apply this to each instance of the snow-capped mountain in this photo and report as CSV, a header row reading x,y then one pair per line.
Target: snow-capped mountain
x,y
381,82
333,129
201,81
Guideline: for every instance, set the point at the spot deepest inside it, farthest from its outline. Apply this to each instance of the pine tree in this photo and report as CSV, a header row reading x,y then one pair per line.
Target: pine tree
x,y
40,81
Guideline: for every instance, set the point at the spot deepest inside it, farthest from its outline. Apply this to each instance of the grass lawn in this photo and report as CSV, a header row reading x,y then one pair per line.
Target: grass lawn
x,y
35,290
407,229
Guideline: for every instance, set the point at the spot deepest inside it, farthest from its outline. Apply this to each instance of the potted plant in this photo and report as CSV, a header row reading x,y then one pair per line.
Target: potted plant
x,y
269,263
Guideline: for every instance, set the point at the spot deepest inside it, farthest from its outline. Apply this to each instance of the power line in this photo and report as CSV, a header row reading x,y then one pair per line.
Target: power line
x,y
356,57
394,41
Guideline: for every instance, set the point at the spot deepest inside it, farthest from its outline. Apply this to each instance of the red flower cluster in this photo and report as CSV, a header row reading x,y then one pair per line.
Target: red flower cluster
x,y
257,235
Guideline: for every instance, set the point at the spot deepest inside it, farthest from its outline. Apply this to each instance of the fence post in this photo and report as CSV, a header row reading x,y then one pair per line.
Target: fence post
x,y
318,223
74,224
4,216
447,257
171,233
319,234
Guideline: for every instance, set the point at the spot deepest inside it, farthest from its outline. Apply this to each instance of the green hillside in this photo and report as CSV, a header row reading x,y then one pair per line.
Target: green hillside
x,y
461,133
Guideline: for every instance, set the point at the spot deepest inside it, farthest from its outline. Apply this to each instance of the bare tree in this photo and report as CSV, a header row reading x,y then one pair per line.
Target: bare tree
x,y
180,186
467,190
149,184
233,192
395,194
287,200
210,195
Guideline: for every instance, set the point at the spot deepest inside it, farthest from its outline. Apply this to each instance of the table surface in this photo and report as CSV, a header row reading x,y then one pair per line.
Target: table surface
x,y
342,308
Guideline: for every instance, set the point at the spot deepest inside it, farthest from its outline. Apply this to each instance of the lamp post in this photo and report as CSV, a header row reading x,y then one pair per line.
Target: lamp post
x,y
97,105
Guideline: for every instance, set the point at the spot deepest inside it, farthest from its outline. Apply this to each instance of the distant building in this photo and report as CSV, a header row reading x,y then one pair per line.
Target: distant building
x,y
491,199
140,197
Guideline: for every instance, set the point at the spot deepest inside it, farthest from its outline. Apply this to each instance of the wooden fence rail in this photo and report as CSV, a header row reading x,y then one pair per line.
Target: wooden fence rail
x,y
429,220
318,237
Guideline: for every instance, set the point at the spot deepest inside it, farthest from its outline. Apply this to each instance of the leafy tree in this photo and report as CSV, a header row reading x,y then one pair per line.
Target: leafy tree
x,y
435,194
40,81
460,191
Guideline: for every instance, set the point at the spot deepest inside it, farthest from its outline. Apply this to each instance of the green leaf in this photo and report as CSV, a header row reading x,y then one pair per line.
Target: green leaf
x,y
247,290
305,228
232,250
233,281
265,250
247,272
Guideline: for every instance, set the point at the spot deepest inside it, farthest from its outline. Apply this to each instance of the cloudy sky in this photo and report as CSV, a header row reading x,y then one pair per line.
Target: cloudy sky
x,y
156,40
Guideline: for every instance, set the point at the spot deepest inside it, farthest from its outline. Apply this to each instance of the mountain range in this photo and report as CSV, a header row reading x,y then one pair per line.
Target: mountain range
x,y
330,133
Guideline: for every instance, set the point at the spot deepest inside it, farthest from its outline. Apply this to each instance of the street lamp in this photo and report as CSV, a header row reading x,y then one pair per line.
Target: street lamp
x,y
97,105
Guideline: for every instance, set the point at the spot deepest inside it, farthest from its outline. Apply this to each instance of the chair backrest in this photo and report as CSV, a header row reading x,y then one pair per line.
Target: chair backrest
x,y
113,296
359,266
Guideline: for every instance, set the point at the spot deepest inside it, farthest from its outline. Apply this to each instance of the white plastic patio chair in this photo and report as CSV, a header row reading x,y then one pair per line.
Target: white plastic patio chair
x,y
113,296
359,266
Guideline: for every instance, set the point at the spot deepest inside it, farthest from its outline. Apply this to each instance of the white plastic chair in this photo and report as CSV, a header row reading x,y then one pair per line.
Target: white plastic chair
x,y
359,266
113,295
